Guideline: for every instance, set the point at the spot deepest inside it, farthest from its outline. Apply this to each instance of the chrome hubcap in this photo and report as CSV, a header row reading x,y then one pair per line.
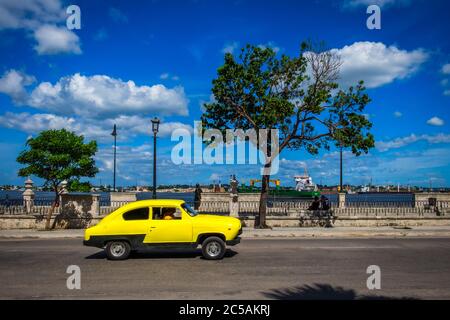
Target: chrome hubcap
x,y
213,249
117,249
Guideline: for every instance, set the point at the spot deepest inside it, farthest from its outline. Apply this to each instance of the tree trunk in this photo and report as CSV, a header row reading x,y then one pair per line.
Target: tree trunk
x,y
260,219
50,213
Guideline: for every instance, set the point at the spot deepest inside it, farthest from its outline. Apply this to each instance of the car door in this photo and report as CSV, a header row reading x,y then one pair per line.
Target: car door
x,y
177,229
133,223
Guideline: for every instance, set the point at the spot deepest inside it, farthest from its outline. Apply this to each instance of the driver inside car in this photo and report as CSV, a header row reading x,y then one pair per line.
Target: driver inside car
x,y
168,213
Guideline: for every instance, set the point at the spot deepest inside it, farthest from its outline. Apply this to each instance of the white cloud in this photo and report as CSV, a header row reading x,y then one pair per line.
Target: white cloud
x,y
135,163
26,14
127,126
132,162
201,102
53,40
13,84
294,164
78,103
444,82
404,141
40,18
139,125
415,162
435,121
230,47
336,154
270,44
166,75
166,129
396,143
446,68
439,138
376,63
102,95
35,123
398,114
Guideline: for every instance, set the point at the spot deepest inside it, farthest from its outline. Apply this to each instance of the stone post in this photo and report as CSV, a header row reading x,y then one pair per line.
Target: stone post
x,y
234,198
341,200
28,196
63,189
96,205
234,206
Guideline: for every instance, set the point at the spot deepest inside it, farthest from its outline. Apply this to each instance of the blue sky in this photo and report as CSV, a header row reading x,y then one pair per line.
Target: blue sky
x,y
134,60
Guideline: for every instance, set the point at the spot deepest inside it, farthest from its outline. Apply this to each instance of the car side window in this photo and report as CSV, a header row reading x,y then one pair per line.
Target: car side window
x,y
136,214
166,213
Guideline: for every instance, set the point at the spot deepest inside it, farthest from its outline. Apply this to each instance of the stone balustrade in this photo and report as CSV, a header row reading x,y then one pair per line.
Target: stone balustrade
x,y
87,208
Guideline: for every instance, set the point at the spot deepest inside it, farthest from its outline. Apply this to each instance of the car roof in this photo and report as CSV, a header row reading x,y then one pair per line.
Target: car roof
x,y
142,203
153,202
156,202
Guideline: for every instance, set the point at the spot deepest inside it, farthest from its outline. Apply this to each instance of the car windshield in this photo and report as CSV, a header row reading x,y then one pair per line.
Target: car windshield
x,y
189,210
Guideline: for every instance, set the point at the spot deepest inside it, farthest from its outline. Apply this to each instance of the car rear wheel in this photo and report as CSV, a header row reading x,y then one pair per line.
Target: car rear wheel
x,y
117,250
213,248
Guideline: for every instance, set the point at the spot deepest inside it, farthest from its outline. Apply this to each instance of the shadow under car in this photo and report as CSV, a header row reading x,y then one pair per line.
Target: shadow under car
x,y
153,253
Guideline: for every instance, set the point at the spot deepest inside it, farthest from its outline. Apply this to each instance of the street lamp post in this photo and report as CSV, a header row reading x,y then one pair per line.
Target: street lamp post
x,y
155,128
114,134
340,158
340,170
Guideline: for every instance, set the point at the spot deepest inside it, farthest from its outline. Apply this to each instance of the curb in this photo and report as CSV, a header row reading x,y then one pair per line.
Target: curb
x,y
279,233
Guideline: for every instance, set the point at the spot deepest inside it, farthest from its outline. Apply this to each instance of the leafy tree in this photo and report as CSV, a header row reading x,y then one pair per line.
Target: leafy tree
x,y
76,185
55,156
299,96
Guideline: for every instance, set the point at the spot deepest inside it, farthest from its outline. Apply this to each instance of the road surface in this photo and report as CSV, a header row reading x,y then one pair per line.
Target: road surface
x,y
415,268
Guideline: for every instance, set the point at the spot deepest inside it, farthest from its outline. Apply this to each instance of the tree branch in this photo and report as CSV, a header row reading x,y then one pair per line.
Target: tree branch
x,y
240,110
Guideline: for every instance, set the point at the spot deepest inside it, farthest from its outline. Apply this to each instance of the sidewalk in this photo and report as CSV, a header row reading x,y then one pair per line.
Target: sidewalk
x,y
348,232
250,233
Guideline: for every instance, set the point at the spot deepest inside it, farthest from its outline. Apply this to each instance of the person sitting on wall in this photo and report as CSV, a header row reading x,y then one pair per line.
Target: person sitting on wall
x,y
315,205
324,203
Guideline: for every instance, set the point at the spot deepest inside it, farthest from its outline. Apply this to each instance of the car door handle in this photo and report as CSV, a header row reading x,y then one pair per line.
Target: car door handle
x,y
152,227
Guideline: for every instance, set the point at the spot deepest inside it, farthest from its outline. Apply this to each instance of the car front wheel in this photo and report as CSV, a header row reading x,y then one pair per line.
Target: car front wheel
x,y
213,248
117,250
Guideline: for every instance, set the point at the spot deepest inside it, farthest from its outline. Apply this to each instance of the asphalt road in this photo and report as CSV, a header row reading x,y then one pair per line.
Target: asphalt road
x,y
255,269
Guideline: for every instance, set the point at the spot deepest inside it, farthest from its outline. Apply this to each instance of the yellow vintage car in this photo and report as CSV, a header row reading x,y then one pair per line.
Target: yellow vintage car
x,y
162,223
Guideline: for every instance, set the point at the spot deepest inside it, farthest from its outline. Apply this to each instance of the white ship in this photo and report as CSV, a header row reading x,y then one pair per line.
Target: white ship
x,y
305,182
